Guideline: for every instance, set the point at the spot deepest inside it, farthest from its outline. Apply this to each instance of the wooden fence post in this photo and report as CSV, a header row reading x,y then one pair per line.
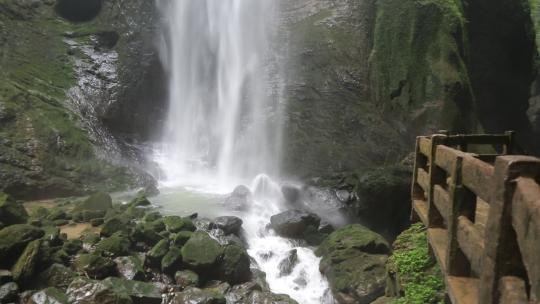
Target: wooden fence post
x,y
500,245
436,177
462,203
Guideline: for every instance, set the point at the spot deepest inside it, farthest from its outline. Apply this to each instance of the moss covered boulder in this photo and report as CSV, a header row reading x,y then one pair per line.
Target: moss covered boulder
x,y
94,266
139,292
156,254
116,245
176,224
130,267
13,240
234,265
97,201
186,278
201,251
354,261
11,212
195,295
25,266
83,290
114,225
172,261
180,238
57,275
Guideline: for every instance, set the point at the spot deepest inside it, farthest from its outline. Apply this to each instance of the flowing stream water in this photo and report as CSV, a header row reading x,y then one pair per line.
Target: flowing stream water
x,y
224,127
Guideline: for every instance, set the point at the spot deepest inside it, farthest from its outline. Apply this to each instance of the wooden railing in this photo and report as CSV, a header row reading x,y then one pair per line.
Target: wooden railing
x,y
482,213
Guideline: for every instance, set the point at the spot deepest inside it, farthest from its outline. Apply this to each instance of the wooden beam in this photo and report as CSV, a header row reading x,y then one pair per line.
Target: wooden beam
x,y
512,291
424,146
462,290
442,202
526,223
471,243
477,176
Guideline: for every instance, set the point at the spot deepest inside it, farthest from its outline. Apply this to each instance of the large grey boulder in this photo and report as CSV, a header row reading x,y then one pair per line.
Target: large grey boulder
x,y
294,223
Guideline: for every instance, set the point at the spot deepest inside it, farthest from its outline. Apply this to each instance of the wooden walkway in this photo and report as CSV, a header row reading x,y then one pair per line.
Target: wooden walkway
x,y
482,212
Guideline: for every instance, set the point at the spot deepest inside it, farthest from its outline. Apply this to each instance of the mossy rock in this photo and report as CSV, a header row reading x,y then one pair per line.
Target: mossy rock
x,y
145,234
11,212
57,275
91,238
172,261
234,266
130,267
156,254
353,260
152,216
25,266
201,251
48,296
100,292
157,225
140,292
13,240
94,266
180,239
176,224
113,246
195,295
98,201
114,225
354,236
72,246
140,201
187,278
56,214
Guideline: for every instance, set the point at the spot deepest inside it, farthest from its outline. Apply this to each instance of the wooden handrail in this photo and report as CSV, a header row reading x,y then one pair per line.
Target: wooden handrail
x,y
483,217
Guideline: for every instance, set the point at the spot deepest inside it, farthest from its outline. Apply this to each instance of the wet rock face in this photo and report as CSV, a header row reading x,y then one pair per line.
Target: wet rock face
x,y
78,10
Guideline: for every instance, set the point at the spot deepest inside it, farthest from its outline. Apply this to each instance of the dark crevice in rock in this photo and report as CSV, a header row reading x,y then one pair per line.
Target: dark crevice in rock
x,y
78,10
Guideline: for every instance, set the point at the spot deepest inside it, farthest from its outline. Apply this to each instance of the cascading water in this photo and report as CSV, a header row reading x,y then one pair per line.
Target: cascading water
x,y
224,123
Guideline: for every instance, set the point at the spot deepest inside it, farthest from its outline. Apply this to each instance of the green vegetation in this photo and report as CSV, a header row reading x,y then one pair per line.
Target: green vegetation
x,y
418,273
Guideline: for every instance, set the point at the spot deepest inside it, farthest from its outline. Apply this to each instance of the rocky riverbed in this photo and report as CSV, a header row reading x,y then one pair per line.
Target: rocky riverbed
x,y
96,249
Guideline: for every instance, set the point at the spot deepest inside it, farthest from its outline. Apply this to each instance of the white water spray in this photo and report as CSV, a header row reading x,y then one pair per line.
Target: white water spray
x,y
224,122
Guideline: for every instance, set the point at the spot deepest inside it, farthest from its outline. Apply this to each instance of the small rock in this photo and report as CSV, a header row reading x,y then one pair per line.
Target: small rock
x,y
113,225
130,268
229,224
186,278
94,266
198,296
180,238
172,261
49,295
116,245
156,254
57,275
11,212
9,292
286,266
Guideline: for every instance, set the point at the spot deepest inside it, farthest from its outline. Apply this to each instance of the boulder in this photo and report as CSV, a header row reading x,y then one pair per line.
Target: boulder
x,y
186,278
354,261
251,292
57,275
114,225
172,261
140,201
234,266
11,212
286,266
180,238
56,214
239,199
156,254
26,264
140,292
293,223
97,201
13,240
130,267
116,245
198,296
85,291
229,224
72,246
175,224
94,266
152,216
201,251
145,234
9,293
49,295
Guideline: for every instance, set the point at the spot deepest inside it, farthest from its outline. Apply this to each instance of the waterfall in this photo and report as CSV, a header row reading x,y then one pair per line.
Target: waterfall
x,y
223,117
224,124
